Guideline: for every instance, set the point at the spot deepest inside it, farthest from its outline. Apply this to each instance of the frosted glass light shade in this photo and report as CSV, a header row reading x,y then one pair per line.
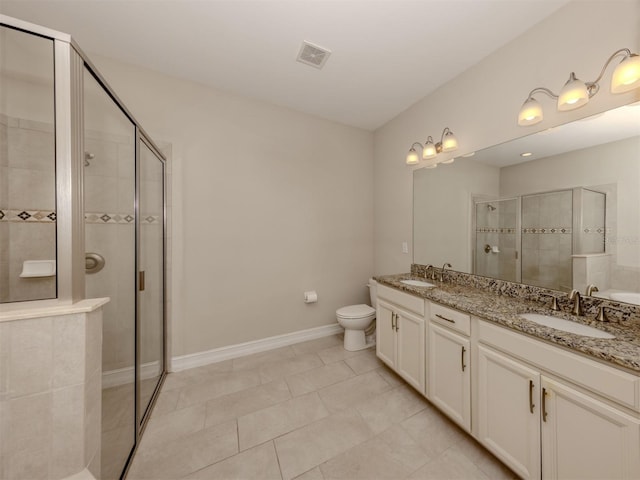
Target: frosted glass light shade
x,y
412,157
450,142
429,150
530,113
573,95
626,76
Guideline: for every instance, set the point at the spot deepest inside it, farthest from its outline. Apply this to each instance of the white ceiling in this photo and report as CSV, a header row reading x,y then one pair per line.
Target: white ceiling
x,y
386,54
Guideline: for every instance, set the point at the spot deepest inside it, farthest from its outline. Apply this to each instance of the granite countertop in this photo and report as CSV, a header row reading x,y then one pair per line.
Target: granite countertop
x,y
623,350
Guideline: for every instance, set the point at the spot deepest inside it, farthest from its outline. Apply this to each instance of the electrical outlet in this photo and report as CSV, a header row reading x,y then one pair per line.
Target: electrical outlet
x,y
405,247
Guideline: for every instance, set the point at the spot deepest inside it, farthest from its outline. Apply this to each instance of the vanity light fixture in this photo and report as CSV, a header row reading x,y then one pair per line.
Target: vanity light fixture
x,y
448,143
577,93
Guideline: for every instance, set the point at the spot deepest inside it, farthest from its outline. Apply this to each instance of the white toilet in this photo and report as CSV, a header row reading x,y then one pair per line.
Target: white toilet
x,y
355,319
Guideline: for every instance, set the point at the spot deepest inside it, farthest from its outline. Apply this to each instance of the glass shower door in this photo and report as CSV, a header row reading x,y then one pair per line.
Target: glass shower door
x,y
109,201
151,275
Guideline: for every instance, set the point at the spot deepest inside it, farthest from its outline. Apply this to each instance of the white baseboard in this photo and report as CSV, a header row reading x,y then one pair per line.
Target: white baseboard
x,y
199,359
121,376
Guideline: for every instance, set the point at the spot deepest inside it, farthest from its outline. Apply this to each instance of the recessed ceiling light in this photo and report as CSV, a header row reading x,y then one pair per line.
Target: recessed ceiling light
x,y
526,154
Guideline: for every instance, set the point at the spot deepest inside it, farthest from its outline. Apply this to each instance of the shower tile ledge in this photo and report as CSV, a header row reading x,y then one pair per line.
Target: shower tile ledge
x,y
26,310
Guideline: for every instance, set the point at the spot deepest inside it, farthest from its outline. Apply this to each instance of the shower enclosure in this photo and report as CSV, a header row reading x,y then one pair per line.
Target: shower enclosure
x,y
82,215
533,238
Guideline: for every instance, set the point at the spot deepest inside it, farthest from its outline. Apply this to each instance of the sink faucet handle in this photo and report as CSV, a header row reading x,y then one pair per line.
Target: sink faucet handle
x,y
602,314
554,301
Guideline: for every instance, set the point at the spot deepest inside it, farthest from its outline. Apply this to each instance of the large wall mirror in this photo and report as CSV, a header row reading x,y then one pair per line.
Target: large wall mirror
x,y
558,209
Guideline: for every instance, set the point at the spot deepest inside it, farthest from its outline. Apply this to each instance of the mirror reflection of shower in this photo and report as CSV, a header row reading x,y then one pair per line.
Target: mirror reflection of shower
x,y
534,238
497,239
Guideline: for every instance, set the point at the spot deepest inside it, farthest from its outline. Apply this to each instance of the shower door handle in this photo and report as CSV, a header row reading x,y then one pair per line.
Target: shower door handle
x,y
141,280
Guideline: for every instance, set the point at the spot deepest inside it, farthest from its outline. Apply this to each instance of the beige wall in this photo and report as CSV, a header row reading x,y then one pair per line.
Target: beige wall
x,y
268,203
481,105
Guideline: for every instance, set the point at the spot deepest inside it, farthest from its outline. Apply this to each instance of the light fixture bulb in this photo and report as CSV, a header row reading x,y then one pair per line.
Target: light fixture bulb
x,y
626,76
449,142
573,95
530,113
412,157
429,150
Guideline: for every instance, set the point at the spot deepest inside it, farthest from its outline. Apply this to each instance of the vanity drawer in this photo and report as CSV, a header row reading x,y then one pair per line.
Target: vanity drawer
x,y
450,318
401,299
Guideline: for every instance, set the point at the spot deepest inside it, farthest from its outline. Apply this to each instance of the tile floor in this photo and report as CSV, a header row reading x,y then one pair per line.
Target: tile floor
x,y
307,411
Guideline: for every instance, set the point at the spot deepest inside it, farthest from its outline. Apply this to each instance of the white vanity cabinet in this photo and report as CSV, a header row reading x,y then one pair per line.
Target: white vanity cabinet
x,y
508,411
449,378
400,335
543,427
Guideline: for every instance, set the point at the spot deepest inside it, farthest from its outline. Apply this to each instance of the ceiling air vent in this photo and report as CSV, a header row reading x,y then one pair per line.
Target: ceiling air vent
x,y
313,55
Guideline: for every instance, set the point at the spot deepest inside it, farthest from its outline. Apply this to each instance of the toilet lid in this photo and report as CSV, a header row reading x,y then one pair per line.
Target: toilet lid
x,y
355,311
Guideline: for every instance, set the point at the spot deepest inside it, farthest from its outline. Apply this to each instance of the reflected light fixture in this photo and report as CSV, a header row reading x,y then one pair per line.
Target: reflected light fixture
x,y
448,143
577,93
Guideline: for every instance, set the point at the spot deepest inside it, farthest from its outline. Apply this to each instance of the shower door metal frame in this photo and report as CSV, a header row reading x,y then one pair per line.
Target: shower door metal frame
x,y
143,417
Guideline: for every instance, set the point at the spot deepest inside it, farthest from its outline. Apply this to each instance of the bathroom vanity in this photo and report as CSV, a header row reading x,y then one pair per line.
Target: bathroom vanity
x,y
548,403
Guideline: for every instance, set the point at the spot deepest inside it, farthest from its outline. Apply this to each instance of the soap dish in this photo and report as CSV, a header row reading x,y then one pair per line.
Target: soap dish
x,y
38,268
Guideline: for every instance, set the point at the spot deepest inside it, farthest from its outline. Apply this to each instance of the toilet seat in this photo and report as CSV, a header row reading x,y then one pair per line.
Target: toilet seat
x,y
356,311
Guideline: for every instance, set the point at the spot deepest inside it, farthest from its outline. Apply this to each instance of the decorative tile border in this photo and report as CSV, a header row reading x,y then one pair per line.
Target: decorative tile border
x,y
600,230
119,218
544,230
495,230
48,216
29,216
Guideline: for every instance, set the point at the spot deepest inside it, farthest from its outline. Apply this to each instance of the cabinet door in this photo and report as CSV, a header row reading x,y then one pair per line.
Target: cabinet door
x,y
410,349
585,438
449,374
509,411
385,334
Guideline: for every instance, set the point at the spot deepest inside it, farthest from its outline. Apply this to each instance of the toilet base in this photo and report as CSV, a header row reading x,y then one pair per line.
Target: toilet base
x,y
355,340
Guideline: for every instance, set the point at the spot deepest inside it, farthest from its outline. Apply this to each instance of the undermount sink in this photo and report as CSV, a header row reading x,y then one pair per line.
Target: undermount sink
x,y
628,297
417,283
565,325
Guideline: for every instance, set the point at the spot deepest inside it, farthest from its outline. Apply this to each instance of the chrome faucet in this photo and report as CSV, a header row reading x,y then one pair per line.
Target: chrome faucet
x,y
590,289
442,271
577,305
426,271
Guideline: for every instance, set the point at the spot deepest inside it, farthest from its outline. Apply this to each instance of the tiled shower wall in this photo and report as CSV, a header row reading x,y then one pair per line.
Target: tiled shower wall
x,y
27,206
547,222
110,232
497,228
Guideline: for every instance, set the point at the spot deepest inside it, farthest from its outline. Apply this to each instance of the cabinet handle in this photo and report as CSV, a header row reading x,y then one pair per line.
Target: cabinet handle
x,y
544,404
393,321
397,327
141,280
531,405
445,318
462,358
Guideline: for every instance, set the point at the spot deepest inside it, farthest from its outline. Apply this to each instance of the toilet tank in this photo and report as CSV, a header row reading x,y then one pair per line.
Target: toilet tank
x,y
373,285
